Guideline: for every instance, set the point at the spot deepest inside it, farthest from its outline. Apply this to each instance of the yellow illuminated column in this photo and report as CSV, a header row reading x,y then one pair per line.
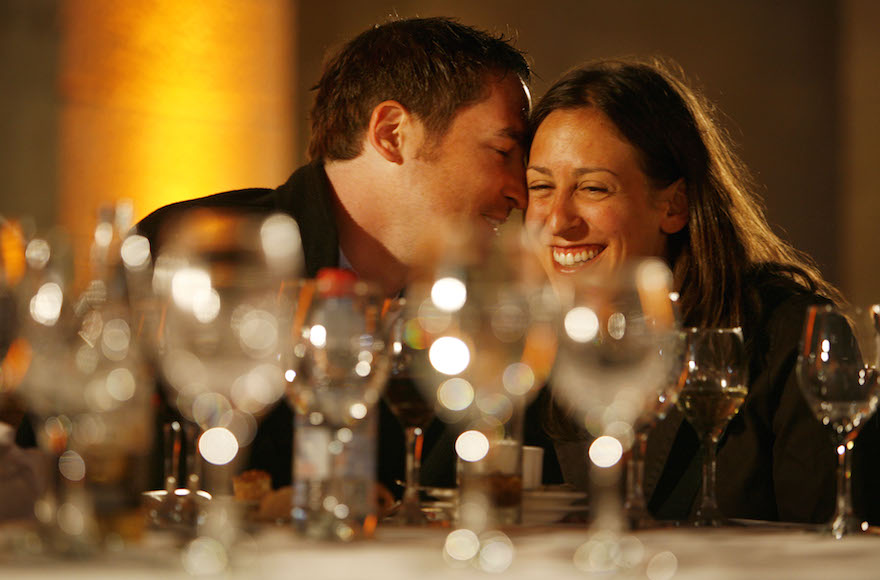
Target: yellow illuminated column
x,y
168,100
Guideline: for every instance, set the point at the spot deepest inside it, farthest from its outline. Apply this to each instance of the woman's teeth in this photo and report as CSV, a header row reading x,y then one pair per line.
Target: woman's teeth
x,y
572,258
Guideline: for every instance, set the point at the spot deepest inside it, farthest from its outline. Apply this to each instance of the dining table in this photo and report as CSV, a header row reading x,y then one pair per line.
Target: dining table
x,y
743,549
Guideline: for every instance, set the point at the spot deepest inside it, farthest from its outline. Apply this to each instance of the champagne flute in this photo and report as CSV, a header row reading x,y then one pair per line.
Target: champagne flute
x,y
713,390
837,372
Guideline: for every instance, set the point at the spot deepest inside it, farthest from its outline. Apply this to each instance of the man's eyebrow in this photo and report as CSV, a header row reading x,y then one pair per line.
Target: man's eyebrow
x,y
511,133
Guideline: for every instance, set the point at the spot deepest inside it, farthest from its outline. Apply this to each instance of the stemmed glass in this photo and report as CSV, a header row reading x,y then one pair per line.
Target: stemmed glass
x,y
713,390
341,365
219,331
609,363
412,409
837,371
471,322
656,408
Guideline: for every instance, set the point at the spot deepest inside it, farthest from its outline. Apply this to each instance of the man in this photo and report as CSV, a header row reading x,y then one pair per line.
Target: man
x,y
417,124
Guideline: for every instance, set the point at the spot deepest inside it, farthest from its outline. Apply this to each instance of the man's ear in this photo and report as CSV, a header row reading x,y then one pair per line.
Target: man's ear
x,y
675,208
386,130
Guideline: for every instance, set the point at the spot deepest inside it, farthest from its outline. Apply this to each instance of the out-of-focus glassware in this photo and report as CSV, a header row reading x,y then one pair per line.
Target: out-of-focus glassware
x,y
714,388
340,363
89,392
219,328
610,362
412,409
837,371
482,330
657,406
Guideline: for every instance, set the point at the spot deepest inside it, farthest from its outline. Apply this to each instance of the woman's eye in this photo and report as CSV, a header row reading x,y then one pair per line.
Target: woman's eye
x,y
594,189
540,189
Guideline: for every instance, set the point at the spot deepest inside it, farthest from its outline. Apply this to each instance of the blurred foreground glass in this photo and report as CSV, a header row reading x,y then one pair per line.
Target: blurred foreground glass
x,y
219,325
614,333
714,388
340,363
480,325
837,371
89,389
413,410
657,406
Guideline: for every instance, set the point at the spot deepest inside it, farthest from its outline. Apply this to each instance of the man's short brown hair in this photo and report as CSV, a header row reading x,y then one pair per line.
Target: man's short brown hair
x,y
432,66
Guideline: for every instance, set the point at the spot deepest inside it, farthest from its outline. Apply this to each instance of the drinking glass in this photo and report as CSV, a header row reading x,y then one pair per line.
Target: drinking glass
x,y
657,406
341,365
412,409
714,388
474,322
219,335
837,372
610,362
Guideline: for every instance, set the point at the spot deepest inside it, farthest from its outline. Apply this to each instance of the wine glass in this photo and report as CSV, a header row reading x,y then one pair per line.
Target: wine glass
x,y
713,390
412,409
609,363
657,406
837,372
341,366
480,349
219,334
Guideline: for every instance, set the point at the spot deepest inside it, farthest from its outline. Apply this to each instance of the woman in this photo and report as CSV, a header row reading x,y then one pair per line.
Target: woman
x,y
626,161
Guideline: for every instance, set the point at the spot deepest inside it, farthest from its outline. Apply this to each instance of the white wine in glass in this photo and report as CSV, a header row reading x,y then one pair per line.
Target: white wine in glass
x,y
713,391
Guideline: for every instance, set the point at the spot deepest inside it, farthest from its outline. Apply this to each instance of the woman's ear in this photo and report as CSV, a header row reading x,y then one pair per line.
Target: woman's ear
x,y
675,208
385,133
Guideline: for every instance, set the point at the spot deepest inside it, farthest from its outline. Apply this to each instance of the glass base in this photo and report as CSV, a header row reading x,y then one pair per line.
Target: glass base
x,y
709,517
846,525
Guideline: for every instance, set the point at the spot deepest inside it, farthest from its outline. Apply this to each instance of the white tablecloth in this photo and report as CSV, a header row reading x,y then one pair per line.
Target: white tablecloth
x,y
539,553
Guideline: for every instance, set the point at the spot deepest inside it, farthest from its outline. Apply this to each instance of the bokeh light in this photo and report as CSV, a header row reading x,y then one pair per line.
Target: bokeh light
x,y
281,242
472,445
318,336
449,294
135,252
187,284
581,324
606,451
662,566
218,446
461,545
518,378
205,557
449,355
45,306
455,394
496,553
72,466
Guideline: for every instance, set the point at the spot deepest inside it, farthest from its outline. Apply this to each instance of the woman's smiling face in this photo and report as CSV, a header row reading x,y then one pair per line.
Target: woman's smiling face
x,y
590,203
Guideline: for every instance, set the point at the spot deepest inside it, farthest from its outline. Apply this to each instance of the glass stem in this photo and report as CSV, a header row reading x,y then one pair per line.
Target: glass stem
x,y
707,513
635,475
843,511
414,439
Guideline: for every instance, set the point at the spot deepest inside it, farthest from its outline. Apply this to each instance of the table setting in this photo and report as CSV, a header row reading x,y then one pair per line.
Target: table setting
x,y
230,327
